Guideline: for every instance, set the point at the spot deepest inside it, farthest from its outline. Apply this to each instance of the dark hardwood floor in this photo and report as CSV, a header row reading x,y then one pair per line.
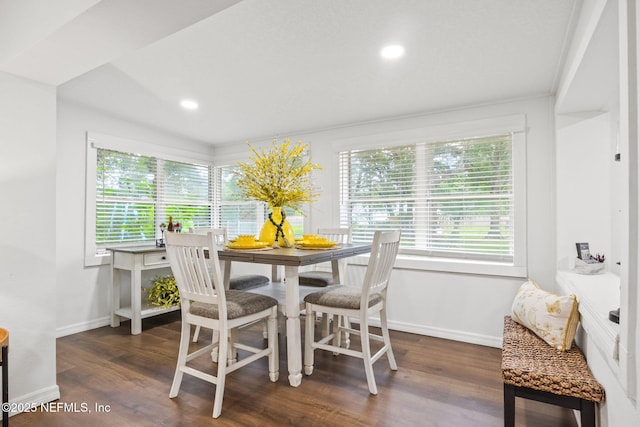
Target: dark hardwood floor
x,y
124,380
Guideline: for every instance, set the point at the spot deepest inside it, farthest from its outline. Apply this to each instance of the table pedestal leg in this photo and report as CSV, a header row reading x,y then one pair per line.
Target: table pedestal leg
x,y
294,344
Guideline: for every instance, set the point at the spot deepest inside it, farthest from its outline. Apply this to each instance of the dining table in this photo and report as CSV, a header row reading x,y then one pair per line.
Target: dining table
x,y
292,259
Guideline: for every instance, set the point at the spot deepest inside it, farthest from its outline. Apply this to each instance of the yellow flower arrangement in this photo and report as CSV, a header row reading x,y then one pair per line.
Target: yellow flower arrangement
x,y
163,292
278,176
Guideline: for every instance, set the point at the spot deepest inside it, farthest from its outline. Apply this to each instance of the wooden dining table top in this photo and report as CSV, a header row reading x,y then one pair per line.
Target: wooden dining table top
x,y
293,256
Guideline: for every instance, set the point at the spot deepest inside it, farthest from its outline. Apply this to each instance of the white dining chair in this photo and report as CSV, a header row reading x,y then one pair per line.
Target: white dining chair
x,y
241,282
205,302
322,274
360,303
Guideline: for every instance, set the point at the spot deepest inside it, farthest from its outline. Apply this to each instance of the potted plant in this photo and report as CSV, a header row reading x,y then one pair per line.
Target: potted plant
x,y
163,292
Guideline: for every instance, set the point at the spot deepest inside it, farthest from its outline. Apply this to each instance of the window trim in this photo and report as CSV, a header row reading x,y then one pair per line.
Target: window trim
x,y
94,141
514,124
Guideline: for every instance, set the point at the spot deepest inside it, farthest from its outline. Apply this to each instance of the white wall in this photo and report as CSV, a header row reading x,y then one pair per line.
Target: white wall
x,y
465,307
28,291
584,189
587,191
458,306
597,94
84,291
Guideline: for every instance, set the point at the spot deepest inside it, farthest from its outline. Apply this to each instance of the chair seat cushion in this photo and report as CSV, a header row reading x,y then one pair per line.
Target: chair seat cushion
x,y
248,281
239,304
315,278
341,297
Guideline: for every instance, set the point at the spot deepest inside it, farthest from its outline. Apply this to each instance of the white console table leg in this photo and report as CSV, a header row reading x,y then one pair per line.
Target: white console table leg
x,y
136,296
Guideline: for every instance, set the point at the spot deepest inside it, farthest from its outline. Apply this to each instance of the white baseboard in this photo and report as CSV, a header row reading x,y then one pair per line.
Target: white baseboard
x,y
449,334
32,401
82,327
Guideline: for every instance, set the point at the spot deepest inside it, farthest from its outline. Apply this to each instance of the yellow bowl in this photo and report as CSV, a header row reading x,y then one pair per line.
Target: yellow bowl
x,y
309,236
317,243
246,238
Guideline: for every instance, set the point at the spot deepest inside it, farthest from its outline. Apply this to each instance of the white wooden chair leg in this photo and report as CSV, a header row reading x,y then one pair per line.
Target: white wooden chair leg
x,y
337,332
387,340
326,324
215,336
223,345
274,362
366,356
346,324
232,354
182,359
196,333
310,323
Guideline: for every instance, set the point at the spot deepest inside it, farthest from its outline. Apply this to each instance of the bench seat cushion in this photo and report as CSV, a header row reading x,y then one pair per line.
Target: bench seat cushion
x,y
527,361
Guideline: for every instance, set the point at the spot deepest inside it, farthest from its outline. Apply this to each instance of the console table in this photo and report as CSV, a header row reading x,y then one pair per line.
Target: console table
x,y
135,259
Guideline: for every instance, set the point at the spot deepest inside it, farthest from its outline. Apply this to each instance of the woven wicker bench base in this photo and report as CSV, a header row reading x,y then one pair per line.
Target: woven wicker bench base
x,y
531,369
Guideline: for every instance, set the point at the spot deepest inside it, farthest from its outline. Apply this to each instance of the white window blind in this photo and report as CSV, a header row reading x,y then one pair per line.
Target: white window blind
x,y
451,198
125,198
237,214
185,193
135,193
240,215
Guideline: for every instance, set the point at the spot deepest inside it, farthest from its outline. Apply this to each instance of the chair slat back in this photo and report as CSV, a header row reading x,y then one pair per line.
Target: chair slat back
x,y
194,262
383,255
338,235
220,234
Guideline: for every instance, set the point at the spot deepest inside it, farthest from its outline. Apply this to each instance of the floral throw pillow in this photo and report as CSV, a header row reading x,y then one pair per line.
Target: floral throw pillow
x,y
554,318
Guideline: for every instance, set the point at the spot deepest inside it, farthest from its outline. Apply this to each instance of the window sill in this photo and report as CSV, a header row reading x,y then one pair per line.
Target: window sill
x,y
597,295
451,265
97,260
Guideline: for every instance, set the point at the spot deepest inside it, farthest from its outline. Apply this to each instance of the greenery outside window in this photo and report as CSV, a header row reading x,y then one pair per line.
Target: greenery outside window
x,y
135,193
133,187
451,198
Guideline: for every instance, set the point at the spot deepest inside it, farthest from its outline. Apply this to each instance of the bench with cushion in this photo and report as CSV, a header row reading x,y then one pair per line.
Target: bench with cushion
x,y
532,369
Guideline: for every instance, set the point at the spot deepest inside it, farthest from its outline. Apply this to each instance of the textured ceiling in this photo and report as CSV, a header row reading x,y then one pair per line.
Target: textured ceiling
x,y
264,68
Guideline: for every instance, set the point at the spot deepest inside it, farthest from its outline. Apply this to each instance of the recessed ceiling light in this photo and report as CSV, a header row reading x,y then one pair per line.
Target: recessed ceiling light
x,y
189,104
392,51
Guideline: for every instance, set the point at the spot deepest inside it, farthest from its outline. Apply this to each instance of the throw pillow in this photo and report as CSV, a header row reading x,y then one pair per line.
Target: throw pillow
x,y
552,317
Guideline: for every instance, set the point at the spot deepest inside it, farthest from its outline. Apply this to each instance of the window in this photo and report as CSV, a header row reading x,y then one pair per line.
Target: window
x,y
238,215
452,199
133,187
241,216
135,193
